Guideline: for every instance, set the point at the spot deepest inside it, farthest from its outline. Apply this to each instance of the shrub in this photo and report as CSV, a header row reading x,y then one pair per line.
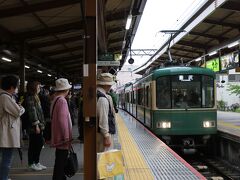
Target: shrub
x,y
221,105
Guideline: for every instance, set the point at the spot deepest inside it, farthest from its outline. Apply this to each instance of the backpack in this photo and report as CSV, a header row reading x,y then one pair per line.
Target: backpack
x,y
111,118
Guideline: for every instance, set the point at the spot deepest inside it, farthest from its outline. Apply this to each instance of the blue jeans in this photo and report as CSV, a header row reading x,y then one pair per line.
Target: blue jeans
x,y
5,162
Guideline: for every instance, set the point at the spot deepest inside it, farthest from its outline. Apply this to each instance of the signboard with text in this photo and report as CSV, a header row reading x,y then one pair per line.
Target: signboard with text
x,y
230,61
106,57
108,63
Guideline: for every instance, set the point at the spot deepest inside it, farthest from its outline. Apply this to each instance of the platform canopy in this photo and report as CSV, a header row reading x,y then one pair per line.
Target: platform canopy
x,y
52,34
213,27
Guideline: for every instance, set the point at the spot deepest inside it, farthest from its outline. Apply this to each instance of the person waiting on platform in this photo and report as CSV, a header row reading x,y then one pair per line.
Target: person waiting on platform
x,y
61,127
36,125
10,124
105,113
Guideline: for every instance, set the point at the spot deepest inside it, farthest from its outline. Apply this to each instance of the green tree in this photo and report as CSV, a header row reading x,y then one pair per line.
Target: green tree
x,y
234,89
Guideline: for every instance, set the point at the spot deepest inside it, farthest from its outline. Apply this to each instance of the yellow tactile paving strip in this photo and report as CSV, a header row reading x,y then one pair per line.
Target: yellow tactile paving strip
x,y
135,166
229,128
231,125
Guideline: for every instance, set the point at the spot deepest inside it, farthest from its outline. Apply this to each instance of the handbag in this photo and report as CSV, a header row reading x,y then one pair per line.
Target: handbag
x,y
110,163
71,165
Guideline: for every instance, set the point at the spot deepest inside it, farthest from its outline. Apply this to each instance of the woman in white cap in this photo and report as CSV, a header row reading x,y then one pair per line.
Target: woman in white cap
x,y
61,127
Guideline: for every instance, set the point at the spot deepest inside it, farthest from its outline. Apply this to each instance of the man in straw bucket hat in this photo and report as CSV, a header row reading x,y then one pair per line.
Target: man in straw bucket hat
x,y
105,112
61,127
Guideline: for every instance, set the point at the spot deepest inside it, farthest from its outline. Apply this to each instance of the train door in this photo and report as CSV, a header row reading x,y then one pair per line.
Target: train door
x,y
134,103
131,102
126,101
140,103
148,105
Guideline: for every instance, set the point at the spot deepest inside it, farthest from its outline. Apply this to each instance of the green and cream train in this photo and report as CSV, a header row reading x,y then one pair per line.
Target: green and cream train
x,y
176,103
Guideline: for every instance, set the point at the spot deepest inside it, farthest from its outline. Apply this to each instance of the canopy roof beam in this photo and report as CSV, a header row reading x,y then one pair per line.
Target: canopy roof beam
x,y
234,26
51,30
20,10
233,6
62,51
55,42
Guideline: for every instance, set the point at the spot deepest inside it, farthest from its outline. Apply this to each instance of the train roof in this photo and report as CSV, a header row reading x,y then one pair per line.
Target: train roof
x,y
182,70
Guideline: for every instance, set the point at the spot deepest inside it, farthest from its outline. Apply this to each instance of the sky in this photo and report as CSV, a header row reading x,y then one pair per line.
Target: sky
x,y
161,15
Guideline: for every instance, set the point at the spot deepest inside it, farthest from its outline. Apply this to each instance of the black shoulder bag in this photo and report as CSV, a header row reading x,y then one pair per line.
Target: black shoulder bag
x,y
71,166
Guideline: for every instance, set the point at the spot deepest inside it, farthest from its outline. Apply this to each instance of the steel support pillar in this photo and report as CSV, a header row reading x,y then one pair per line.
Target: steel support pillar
x,y
22,67
89,92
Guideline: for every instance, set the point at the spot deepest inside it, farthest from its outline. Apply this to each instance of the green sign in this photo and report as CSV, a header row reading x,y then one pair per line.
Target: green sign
x,y
213,64
106,57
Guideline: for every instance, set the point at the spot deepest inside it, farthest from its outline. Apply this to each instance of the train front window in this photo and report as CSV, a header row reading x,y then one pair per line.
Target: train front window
x,y
163,100
186,91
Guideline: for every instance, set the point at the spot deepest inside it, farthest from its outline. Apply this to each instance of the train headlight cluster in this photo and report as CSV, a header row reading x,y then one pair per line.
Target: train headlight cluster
x,y
208,124
164,124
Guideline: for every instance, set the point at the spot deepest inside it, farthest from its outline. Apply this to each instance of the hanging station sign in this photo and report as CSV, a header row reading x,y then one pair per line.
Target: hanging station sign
x,y
106,57
109,59
108,63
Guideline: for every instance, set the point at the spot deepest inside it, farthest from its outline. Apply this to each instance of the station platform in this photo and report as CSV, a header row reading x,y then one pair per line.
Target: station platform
x,y
229,122
146,157
20,171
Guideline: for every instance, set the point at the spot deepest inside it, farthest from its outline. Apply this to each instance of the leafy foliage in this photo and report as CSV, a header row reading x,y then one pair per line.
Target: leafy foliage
x,y
234,89
221,105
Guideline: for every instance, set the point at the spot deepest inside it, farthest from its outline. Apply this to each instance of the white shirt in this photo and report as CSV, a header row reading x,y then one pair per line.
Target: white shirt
x,y
102,113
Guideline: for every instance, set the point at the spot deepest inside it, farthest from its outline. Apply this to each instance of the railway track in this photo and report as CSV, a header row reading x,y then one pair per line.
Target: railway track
x,y
213,168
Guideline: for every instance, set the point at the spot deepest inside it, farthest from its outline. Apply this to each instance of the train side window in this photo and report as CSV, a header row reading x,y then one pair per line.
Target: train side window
x,y
207,91
147,96
140,97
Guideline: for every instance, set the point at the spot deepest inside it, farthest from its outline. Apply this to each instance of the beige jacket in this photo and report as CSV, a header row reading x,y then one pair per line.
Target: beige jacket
x,y
10,124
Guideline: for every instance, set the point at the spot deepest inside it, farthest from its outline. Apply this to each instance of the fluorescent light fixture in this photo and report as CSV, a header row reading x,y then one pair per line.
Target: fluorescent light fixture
x,y
6,59
39,71
198,59
233,44
129,20
212,53
49,75
27,67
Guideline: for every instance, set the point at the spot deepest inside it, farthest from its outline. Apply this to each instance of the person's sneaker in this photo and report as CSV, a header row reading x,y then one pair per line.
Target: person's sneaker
x,y
34,167
41,166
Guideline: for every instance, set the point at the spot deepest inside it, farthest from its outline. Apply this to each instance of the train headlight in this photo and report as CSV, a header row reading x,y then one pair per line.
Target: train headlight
x,y
208,124
164,124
